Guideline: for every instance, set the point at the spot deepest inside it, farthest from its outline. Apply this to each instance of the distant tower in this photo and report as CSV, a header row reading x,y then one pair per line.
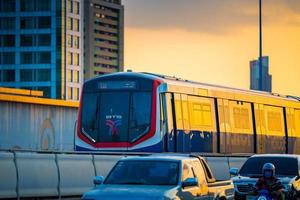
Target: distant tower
x,y
104,37
255,78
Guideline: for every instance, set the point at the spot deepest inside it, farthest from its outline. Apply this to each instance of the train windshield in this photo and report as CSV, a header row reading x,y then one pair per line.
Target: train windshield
x,y
116,116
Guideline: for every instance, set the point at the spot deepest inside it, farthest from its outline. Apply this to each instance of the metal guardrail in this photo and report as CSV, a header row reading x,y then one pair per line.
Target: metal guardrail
x,y
44,174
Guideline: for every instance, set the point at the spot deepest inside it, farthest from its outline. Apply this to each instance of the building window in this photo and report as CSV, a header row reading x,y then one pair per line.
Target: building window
x,y
26,75
8,58
76,7
76,59
35,5
7,6
44,5
69,75
26,40
44,57
8,40
7,23
44,22
27,5
27,23
27,58
69,58
76,76
70,91
70,41
43,75
44,40
76,92
70,23
70,6
8,75
76,42
75,25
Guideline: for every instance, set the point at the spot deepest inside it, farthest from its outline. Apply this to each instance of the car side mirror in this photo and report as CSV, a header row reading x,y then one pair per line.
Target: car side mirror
x,y
234,171
189,182
98,180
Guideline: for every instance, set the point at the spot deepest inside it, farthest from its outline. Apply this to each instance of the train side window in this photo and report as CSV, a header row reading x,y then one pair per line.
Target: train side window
x,y
178,112
201,113
297,122
241,117
275,121
168,113
185,113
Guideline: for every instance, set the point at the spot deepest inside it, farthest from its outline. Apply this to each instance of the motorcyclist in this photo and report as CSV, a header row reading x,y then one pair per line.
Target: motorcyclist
x,y
269,182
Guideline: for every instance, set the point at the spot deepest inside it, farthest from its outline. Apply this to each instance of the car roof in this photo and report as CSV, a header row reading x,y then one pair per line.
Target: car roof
x,y
277,156
161,157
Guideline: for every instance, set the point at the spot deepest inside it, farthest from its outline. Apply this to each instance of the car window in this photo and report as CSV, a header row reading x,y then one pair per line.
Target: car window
x,y
141,172
199,171
187,172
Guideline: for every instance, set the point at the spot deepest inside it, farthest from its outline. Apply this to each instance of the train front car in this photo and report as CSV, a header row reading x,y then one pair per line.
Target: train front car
x,y
118,112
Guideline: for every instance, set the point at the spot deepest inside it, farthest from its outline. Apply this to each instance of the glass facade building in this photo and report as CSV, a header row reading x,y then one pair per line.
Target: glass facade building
x,y
104,37
266,77
41,44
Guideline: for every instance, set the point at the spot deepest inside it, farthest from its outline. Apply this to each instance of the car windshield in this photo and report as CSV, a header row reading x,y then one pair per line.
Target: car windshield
x,y
144,173
283,166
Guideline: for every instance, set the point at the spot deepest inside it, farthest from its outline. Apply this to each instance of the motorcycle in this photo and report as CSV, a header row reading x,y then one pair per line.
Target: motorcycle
x,y
263,194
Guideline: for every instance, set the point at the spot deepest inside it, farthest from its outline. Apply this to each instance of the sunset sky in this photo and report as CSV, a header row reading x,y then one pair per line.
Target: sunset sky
x,y
213,40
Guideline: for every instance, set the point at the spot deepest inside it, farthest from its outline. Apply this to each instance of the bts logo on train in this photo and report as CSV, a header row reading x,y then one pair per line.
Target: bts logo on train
x,y
155,113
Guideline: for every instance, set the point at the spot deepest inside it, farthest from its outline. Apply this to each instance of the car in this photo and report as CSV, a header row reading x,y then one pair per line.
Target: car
x,y
287,169
160,177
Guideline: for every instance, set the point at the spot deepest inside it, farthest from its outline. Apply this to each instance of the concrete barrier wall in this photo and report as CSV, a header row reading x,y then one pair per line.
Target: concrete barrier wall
x,y
37,174
76,174
8,177
32,174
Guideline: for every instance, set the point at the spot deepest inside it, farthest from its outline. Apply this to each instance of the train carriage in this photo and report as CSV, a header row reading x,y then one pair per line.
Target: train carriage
x,y
155,113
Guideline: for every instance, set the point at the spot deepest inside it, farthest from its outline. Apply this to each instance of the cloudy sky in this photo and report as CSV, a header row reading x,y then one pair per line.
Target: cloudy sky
x,y
214,40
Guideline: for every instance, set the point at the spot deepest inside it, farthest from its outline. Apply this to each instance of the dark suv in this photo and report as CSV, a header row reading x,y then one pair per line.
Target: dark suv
x,y
287,169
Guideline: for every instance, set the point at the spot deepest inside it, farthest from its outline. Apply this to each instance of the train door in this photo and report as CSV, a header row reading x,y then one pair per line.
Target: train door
x,y
290,117
183,133
297,131
167,122
271,134
186,124
224,135
293,124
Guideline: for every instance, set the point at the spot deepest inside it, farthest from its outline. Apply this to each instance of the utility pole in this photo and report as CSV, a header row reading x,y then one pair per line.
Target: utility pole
x,y
260,48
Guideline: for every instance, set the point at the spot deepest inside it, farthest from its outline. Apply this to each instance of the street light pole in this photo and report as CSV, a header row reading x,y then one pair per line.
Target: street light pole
x,y
260,48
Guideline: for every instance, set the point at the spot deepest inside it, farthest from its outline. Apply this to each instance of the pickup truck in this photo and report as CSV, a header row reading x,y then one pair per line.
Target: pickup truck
x,y
160,177
287,169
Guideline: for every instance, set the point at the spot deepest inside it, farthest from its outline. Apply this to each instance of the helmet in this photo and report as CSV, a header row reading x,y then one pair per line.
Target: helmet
x,y
268,170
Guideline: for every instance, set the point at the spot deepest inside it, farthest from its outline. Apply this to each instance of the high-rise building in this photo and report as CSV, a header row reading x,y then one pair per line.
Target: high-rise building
x,y
255,78
41,46
104,37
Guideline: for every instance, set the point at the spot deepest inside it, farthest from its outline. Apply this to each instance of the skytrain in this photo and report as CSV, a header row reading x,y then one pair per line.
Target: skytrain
x,y
143,112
